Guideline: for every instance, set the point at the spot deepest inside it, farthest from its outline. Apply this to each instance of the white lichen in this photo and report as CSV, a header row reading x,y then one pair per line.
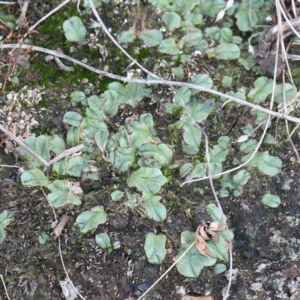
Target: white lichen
x,y
17,114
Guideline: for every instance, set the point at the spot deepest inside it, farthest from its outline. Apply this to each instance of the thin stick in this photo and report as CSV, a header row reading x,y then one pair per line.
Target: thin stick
x,y
22,22
20,143
293,131
65,153
7,3
62,155
49,14
9,166
283,81
294,8
283,50
4,286
62,66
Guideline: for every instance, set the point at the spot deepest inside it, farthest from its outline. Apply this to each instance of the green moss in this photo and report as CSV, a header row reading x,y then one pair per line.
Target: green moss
x,y
54,27
188,190
78,74
94,53
295,73
103,84
43,129
134,166
32,271
177,113
167,173
174,137
43,102
48,73
77,246
143,54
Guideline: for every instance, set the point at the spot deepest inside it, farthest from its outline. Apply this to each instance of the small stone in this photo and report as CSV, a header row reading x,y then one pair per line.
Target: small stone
x,y
49,57
143,287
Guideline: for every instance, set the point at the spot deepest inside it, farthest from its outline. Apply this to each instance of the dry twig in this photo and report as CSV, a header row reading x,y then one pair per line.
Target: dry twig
x,y
57,231
155,81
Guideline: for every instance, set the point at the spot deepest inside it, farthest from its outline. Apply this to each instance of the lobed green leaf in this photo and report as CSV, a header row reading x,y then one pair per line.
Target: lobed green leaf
x,y
155,247
89,220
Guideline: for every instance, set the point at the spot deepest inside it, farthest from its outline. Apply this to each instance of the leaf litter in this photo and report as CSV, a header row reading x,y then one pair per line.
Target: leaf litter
x,y
202,235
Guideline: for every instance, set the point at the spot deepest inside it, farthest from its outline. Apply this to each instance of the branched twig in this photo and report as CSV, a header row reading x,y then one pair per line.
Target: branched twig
x,y
155,81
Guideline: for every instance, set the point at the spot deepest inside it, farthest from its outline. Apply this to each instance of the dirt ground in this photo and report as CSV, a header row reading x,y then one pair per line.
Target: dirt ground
x,y
266,246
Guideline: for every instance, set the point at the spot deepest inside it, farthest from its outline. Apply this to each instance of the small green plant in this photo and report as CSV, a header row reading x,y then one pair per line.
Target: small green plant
x,y
90,219
236,182
43,238
271,200
155,247
103,240
74,29
5,219
117,195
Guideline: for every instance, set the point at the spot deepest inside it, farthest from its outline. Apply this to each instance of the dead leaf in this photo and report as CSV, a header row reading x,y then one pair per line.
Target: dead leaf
x,y
215,226
197,298
291,273
201,244
60,226
68,289
213,234
267,63
202,231
74,187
